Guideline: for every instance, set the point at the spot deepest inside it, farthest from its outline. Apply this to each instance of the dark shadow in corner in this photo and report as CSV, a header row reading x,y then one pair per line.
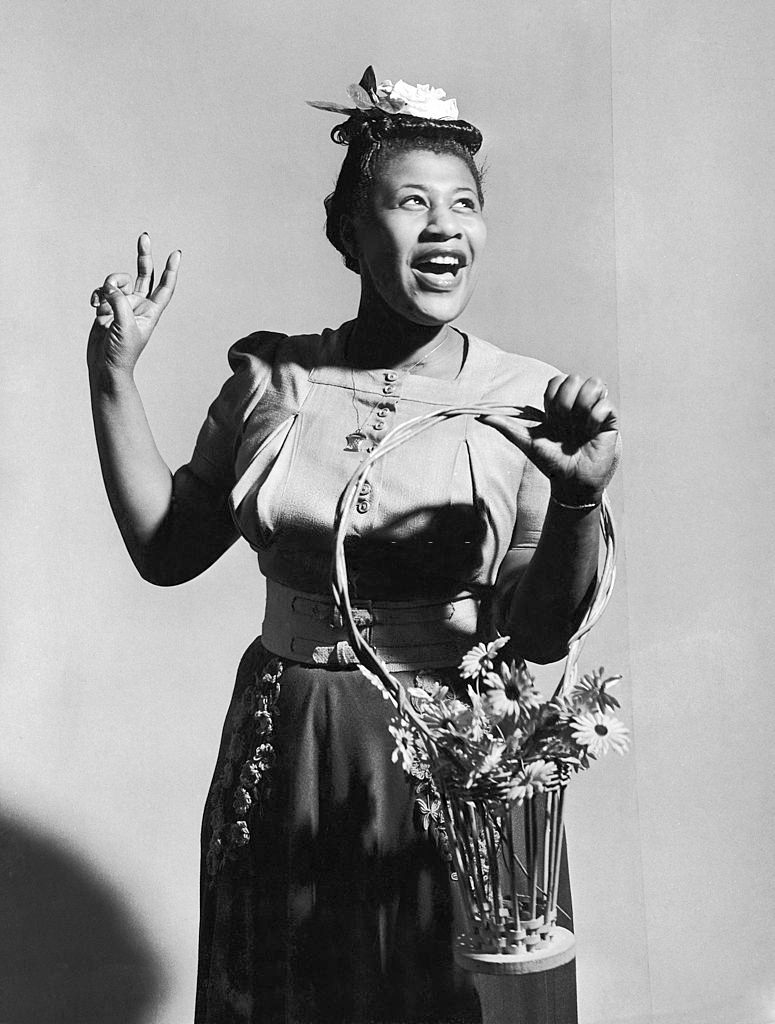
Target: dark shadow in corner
x,y
69,952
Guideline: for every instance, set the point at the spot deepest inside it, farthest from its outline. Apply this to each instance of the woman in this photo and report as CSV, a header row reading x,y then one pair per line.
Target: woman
x,y
324,897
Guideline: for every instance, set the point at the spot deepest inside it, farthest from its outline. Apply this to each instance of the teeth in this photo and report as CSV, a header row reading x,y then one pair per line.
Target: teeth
x,y
451,260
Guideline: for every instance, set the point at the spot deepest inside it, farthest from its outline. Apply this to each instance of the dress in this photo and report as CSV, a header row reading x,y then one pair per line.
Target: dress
x,y
325,891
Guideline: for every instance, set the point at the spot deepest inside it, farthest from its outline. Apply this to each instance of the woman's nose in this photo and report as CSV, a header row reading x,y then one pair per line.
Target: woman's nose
x,y
442,223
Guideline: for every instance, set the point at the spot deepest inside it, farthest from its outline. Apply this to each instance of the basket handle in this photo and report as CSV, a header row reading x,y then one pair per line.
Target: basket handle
x,y
366,654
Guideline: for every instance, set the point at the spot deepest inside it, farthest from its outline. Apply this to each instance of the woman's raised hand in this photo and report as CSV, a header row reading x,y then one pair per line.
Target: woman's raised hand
x,y
127,313
577,445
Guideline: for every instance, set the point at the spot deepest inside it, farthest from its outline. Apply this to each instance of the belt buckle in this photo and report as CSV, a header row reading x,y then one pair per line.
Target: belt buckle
x,y
362,616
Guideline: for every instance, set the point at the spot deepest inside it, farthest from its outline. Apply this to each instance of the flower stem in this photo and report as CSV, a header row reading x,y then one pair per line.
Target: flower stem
x,y
547,844
533,856
513,869
464,876
558,851
492,855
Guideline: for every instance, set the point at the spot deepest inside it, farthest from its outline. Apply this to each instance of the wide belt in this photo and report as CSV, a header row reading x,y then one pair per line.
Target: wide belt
x,y
407,635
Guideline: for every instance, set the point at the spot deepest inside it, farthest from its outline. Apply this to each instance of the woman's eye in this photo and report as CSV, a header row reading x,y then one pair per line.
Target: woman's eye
x,y
467,204
413,201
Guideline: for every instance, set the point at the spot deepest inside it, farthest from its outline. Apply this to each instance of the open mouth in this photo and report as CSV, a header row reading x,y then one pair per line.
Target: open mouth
x,y
439,269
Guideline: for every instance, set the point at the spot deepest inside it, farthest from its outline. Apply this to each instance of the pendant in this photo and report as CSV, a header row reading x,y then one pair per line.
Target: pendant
x,y
355,442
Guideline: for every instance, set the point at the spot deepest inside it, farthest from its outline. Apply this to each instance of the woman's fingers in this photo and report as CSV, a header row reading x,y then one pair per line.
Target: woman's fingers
x,y
119,305
162,295
122,282
559,398
569,402
113,282
144,280
132,305
513,430
590,392
602,416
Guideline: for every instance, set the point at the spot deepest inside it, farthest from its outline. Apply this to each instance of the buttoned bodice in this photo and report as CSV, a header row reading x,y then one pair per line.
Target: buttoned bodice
x,y
437,515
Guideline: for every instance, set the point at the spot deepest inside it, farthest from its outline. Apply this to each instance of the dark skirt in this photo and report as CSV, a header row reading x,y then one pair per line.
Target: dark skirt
x,y
325,897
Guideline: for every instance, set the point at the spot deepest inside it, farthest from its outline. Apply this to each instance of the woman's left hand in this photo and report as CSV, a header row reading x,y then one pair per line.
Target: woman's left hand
x,y
577,445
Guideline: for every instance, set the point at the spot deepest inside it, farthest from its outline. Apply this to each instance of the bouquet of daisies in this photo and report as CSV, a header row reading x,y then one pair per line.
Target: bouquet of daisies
x,y
507,741
492,771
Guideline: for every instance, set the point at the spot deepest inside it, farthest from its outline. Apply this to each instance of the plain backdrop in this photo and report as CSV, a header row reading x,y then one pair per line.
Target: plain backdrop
x,y
629,148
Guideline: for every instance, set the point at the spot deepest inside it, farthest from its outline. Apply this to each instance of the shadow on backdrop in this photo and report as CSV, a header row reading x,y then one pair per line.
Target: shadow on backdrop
x,y
69,952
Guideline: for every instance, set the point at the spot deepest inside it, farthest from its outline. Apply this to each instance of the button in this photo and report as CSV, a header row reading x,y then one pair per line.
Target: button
x,y
379,425
388,390
365,489
363,506
390,375
382,412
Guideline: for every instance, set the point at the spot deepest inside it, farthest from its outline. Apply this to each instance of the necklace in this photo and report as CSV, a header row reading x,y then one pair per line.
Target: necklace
x,y
356,441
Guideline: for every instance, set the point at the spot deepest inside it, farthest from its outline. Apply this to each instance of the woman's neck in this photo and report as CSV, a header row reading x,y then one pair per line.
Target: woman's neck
x,y
379,338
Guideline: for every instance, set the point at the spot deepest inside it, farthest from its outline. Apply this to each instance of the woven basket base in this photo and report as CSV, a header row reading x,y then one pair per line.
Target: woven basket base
x,y
559,951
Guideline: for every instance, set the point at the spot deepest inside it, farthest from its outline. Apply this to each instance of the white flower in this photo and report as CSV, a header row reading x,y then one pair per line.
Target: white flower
x,y
511,692
532,779
477,726
488,762
480,658
591,692
394,98
404,750
600,733
417,100
445,713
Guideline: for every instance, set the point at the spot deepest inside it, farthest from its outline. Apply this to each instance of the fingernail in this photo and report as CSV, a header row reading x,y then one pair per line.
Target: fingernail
x,y
95,299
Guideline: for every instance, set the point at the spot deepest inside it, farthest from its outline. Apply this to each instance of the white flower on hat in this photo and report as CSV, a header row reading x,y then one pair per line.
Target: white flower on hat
x,y
417,100
394,98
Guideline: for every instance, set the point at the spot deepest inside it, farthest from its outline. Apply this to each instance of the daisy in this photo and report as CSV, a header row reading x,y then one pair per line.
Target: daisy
x,y
444,713
480,658
404,749
476,721
511,691
489,761
430,692
599,733
533,778
590,693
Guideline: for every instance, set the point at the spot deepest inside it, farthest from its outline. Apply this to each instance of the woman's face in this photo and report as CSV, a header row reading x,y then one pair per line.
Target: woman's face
x,y
421,236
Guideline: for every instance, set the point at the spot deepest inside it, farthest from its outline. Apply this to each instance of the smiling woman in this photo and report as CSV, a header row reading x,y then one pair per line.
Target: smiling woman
x,y
324,895
419,239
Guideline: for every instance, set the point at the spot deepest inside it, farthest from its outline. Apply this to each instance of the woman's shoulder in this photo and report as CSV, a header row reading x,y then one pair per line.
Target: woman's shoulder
x,y
511,374
261,352
269,371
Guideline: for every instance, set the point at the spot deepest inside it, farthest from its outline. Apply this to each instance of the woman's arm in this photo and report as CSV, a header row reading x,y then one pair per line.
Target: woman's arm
x,y
174,527
541,595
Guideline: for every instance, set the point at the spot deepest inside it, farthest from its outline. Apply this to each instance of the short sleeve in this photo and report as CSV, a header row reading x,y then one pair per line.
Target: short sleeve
x,y
251,360
532,500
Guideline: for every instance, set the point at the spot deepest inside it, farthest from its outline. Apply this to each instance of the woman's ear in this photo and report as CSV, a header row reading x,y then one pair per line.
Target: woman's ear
x,y
348,235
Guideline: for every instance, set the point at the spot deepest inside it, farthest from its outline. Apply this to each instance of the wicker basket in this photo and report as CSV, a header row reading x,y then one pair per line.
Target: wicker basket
x,y
506,856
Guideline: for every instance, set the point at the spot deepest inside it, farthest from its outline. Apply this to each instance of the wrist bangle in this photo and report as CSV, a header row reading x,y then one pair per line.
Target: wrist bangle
x,y
575,508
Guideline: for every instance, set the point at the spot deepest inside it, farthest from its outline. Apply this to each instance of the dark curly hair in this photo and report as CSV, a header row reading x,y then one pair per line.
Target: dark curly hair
x,y
372,135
